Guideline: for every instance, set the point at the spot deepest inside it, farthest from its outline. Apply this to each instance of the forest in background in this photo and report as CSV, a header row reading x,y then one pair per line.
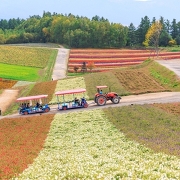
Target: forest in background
x,y
82,32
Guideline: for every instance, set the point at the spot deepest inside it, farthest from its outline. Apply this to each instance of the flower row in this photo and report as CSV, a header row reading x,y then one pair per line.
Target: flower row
x,y
108,64
106,60
75,51
120,55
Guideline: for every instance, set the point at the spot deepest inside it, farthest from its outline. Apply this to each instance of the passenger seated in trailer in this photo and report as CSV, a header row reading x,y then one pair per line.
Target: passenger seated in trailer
x,y
83,101
76,101
27,106
37,105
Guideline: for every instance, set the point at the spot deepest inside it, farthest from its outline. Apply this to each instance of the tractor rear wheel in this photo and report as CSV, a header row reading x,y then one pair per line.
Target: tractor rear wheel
x,y
116,100
101,100
95,99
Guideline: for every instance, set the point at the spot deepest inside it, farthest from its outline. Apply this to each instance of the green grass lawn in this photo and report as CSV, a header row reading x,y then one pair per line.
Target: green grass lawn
x,y
19,72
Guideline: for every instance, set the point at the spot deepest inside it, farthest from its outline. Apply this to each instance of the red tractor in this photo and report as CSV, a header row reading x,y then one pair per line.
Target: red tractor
x,y
101,98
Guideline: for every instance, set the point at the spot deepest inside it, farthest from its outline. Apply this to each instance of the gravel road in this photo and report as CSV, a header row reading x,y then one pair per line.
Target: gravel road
x,y
60,67
173,65
161,97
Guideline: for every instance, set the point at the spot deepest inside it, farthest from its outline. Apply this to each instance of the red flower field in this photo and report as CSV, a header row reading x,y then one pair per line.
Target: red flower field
x,y
21,140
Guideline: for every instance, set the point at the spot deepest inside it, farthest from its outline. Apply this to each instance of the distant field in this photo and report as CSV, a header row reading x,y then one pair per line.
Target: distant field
x,y
24,56
19,72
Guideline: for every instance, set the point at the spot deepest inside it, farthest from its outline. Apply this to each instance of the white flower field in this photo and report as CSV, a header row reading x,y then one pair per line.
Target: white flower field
x,y
85,145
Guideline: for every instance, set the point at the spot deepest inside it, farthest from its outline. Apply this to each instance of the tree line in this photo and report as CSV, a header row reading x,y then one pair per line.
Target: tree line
x,y
82,32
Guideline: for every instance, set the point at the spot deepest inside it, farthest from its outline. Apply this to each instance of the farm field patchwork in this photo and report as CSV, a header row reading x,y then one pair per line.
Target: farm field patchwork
x,y
106,59
86,145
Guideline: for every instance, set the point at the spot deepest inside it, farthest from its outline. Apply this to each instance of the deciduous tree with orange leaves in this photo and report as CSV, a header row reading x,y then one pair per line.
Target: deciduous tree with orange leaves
x,y
91,65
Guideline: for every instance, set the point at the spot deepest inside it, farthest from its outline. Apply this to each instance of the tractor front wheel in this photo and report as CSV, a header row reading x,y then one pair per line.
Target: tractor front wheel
x,y
101,101
116,100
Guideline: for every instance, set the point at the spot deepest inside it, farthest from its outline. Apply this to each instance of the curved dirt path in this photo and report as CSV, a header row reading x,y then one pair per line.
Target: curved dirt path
x,y
7,96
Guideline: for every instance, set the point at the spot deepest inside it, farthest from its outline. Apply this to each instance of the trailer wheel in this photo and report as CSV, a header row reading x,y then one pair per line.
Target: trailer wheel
x,y
25,113
116,100
47,110
101,100
85,105
64,108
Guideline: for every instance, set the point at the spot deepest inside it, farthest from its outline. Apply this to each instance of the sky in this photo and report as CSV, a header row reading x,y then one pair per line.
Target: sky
x,y
116,11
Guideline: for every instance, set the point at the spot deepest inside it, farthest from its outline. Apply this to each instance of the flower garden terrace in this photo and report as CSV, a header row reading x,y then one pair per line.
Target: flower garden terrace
x,y
106,59
133,142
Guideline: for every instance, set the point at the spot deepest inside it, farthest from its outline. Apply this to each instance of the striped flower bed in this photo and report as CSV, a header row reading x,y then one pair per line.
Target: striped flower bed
x,y
122,55
103,58
109,64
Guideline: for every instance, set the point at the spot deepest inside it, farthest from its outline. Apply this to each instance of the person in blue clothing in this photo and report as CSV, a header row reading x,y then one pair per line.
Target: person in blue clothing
x,y
100,92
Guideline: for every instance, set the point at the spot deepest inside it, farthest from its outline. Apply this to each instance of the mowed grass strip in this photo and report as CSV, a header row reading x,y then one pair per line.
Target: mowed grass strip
x,y
149,125
16,72
25,56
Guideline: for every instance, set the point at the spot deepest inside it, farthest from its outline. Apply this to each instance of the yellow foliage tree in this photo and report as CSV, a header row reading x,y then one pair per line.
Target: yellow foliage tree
x,y
152,36
172,42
